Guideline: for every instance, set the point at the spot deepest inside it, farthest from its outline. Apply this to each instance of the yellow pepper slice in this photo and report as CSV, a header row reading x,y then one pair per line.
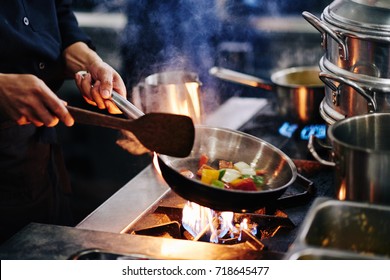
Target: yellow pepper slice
x,y
209,175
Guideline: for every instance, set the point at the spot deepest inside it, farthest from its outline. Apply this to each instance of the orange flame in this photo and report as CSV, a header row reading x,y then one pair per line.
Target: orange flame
x,y
303,95
342,193
196,219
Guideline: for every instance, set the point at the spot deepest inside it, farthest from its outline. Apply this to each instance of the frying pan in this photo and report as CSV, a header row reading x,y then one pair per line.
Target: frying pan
x,y
226,144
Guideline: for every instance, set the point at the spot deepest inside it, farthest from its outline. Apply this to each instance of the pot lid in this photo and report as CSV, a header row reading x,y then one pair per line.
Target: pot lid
x,y
367,16
374,3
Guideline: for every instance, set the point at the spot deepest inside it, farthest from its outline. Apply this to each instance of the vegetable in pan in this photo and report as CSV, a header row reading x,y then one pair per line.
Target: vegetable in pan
x,y
228,175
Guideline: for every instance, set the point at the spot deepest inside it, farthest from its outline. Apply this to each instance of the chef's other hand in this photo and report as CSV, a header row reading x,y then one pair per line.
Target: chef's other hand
x,y
25,99
97,83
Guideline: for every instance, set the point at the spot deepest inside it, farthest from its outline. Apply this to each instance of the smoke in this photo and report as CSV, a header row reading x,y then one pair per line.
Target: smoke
x,y
188,35
169,35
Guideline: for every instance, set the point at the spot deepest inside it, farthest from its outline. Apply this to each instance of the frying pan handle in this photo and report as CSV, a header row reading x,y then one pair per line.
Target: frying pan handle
x,y
127,108
240,78
296,199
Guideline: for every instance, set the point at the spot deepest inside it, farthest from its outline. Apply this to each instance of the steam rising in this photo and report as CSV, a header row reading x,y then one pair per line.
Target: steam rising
x,y
169,35
187,35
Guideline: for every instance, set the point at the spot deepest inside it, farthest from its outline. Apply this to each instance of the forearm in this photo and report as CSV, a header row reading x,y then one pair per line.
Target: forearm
x,y
78,57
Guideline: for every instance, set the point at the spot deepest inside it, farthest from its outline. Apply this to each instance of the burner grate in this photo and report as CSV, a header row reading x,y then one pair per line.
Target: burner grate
x,y
165,222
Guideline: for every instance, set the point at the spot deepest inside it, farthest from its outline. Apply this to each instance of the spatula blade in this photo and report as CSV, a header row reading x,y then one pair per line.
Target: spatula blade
x,y
167,134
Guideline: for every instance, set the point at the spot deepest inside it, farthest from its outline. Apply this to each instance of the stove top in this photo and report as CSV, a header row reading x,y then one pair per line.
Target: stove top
x,y
275,233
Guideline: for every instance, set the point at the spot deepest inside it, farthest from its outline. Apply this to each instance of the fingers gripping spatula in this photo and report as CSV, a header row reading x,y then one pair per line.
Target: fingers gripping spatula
x,y
163,133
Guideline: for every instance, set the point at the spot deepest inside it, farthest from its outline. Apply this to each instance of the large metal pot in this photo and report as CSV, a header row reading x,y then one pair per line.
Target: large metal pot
x,y
348,94
356,35
361,157
298,90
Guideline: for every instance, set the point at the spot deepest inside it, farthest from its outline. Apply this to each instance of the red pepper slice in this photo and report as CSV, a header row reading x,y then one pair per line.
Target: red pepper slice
x,y
246,184
203,159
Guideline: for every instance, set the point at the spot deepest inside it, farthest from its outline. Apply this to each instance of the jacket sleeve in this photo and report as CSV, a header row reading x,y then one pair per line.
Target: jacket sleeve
x,y
68,25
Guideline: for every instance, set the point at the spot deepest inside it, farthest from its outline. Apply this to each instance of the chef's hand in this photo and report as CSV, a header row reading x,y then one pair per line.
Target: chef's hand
x,y
25,99
97,83
94,78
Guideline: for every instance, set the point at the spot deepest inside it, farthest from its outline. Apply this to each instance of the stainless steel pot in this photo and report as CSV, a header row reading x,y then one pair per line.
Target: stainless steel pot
x,y
298,90
356,35
177,92
361,157
348,94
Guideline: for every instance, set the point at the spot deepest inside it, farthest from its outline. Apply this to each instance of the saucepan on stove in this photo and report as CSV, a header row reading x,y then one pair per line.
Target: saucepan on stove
x,y
299,90
361,157
277,168
176,92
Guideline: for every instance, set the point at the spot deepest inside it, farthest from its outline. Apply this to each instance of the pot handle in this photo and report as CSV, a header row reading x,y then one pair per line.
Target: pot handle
x,y
327,77
314,153
240,78
324,29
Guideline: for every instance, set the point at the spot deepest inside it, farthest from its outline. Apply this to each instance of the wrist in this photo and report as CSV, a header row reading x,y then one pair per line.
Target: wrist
x,y
79,57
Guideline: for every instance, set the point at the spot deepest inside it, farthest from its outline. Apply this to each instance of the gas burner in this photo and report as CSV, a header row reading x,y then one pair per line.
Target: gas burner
x,y
166,222
289,137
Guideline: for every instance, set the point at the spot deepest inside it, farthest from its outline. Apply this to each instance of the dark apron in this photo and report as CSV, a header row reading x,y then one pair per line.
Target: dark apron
x,y
33,178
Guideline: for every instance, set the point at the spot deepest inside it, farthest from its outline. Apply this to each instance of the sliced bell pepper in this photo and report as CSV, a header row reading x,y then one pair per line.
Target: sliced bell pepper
x,y
221,174
246,184
218,184
258,180
203,159
204,166
209,175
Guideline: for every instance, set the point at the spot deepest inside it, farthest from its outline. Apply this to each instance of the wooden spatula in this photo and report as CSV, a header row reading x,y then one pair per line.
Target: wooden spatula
x,y
164,133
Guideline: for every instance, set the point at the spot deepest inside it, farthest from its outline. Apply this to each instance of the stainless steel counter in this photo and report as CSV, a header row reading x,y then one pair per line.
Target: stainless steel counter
x,y
49,242
137,197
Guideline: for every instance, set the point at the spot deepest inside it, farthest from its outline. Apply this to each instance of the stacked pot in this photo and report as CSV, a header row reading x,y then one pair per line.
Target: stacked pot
x,y
356,72
356,64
